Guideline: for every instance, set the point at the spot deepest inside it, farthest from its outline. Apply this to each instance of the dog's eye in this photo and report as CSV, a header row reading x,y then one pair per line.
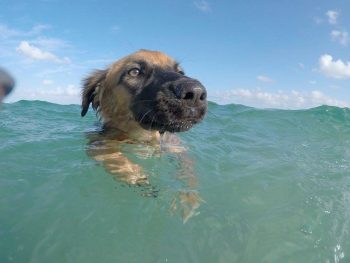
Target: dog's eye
x,y
134,72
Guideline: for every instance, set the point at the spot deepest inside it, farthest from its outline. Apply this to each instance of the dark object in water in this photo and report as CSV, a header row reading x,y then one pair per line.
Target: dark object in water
x,y
7,83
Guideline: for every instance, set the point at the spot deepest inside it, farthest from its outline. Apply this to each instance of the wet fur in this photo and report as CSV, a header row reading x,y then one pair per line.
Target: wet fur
x,y
113,100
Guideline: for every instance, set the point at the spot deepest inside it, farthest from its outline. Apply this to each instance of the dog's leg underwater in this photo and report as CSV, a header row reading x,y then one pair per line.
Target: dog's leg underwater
x,y
115,162
187,199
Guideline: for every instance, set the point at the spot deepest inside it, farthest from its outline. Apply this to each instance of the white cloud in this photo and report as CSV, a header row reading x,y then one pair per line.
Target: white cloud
x,y
265,79
332,16
318,20
11,37
69,90
38,81
7,32
202,5
37,29
342,37
47,82
69,94
51,44
280,99
334,68
312,82
335,87
37,54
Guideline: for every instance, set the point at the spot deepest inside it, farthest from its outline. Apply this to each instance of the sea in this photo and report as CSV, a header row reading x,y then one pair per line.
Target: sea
x,y
274,186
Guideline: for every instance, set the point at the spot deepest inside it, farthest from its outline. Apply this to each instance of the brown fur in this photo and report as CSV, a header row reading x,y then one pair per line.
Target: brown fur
x,y
111,99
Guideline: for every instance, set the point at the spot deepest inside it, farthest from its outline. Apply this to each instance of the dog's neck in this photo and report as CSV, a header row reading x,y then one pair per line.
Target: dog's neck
x,y
128,128
119,118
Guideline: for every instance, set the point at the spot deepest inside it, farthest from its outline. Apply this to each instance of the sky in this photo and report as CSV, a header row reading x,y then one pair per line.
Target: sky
x,y
266,54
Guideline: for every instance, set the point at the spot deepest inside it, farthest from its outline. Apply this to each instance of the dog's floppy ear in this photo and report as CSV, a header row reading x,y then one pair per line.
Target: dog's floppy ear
x,y
91,87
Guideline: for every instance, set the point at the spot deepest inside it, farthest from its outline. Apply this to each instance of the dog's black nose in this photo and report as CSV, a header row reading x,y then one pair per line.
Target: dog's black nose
x,y
192,92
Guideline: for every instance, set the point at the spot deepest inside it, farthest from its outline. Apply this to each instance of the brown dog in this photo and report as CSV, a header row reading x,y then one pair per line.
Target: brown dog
x,y
143,98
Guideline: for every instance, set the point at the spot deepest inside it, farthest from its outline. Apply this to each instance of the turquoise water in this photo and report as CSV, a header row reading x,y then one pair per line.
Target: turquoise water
x,y
275,185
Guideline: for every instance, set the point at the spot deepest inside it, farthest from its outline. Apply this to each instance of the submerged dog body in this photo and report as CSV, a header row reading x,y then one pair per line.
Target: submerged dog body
x,y
139,98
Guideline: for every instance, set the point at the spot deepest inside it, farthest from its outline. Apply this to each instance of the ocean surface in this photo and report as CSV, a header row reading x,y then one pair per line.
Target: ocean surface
x,y
275,186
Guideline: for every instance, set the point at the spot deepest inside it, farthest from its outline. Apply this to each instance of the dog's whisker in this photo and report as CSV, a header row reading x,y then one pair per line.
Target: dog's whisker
x,y
152,121
144,115
144,101
139,101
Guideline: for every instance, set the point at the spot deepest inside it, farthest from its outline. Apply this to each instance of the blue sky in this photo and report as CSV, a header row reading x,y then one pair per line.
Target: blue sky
x,y
275,54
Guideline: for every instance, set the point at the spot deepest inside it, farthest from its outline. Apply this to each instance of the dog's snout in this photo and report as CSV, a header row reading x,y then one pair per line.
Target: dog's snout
x,y
191,92
194,93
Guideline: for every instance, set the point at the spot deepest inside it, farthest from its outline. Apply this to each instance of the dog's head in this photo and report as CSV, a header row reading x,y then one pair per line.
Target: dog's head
x,y
149,88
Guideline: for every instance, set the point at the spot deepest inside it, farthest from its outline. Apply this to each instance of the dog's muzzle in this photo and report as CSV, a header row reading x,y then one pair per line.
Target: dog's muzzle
x,y
171,102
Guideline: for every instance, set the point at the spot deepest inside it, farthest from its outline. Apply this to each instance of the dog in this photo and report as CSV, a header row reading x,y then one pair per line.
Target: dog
x,y
144,98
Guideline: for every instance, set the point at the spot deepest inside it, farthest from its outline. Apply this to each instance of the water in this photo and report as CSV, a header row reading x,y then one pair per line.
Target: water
x,y
275,185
